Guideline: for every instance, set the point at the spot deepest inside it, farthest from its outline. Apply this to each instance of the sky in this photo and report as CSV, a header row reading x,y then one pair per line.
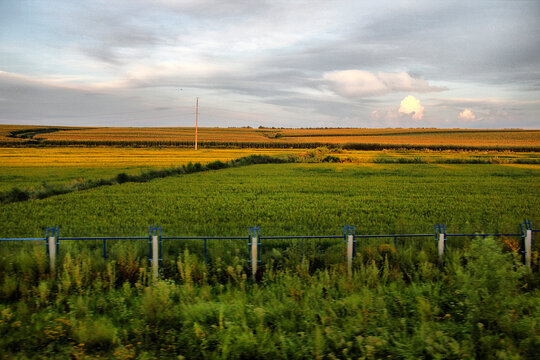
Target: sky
x,y
365,64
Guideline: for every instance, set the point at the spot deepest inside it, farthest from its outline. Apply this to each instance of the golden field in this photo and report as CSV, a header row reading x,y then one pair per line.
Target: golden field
x,y
465,138
5,130
114,157
155,134
107,157
446,137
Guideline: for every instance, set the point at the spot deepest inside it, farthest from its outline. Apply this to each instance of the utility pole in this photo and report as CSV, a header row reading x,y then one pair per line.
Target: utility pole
x,y
196,121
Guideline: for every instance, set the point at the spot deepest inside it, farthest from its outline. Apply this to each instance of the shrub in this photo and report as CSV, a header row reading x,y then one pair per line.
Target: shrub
x,y
122,178
330,159
17,194
216,165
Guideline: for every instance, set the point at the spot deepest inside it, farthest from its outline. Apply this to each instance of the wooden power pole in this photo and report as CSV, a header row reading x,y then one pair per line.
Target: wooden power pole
x,y
196,121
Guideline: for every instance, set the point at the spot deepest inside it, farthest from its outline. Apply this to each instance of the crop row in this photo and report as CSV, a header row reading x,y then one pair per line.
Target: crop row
x,y
272,145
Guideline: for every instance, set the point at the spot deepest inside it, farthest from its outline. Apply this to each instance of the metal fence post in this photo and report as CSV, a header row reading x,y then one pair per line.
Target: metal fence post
x,y
254,234
441,242
528,248
52,246
155,249
349,234
440,234
526,237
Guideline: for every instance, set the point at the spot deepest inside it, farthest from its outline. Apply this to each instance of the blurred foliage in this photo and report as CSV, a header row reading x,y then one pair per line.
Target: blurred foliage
x,y
478,302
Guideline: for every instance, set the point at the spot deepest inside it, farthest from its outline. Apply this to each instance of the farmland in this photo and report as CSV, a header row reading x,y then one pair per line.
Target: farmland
x,y
397,303
400,302
291,198
61,169
265,137
31,167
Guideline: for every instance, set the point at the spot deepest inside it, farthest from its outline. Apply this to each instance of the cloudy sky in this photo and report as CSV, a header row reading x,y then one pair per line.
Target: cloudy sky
x,y
468,64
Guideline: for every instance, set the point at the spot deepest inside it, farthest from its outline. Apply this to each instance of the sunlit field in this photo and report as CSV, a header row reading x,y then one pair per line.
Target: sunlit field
x,y
274,137
27,167
31,167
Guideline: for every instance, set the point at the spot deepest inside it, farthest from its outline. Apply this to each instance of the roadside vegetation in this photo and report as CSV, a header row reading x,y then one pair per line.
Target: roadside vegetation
x,y
480,302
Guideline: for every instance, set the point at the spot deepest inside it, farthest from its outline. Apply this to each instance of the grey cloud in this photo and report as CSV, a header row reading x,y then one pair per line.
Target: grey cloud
x,y
492,113
35,102
360,83
457,41
488,42
119,43
217,8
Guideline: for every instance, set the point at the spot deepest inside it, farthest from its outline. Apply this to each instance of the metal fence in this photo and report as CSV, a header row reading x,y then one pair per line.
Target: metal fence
x,y
254,241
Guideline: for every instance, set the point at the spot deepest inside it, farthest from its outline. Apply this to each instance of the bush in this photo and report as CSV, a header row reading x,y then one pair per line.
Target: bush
x,y
318,155
122,178
17,194
330,159
216,165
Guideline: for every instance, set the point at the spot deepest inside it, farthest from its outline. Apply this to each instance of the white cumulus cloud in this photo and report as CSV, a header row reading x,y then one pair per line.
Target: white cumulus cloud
x,y
411,106
467,114
360,83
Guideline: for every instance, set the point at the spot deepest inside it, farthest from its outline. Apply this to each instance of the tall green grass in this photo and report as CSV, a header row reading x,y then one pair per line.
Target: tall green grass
x,y
478,302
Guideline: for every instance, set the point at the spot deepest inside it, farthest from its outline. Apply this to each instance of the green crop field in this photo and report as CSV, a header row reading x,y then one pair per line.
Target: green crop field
x,y
295,199
403,302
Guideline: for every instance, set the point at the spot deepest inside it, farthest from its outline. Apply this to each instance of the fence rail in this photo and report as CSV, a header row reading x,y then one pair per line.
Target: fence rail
x,y
52,242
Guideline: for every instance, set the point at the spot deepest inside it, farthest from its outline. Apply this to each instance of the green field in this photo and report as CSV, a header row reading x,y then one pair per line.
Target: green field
x,y
306,199
404,302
